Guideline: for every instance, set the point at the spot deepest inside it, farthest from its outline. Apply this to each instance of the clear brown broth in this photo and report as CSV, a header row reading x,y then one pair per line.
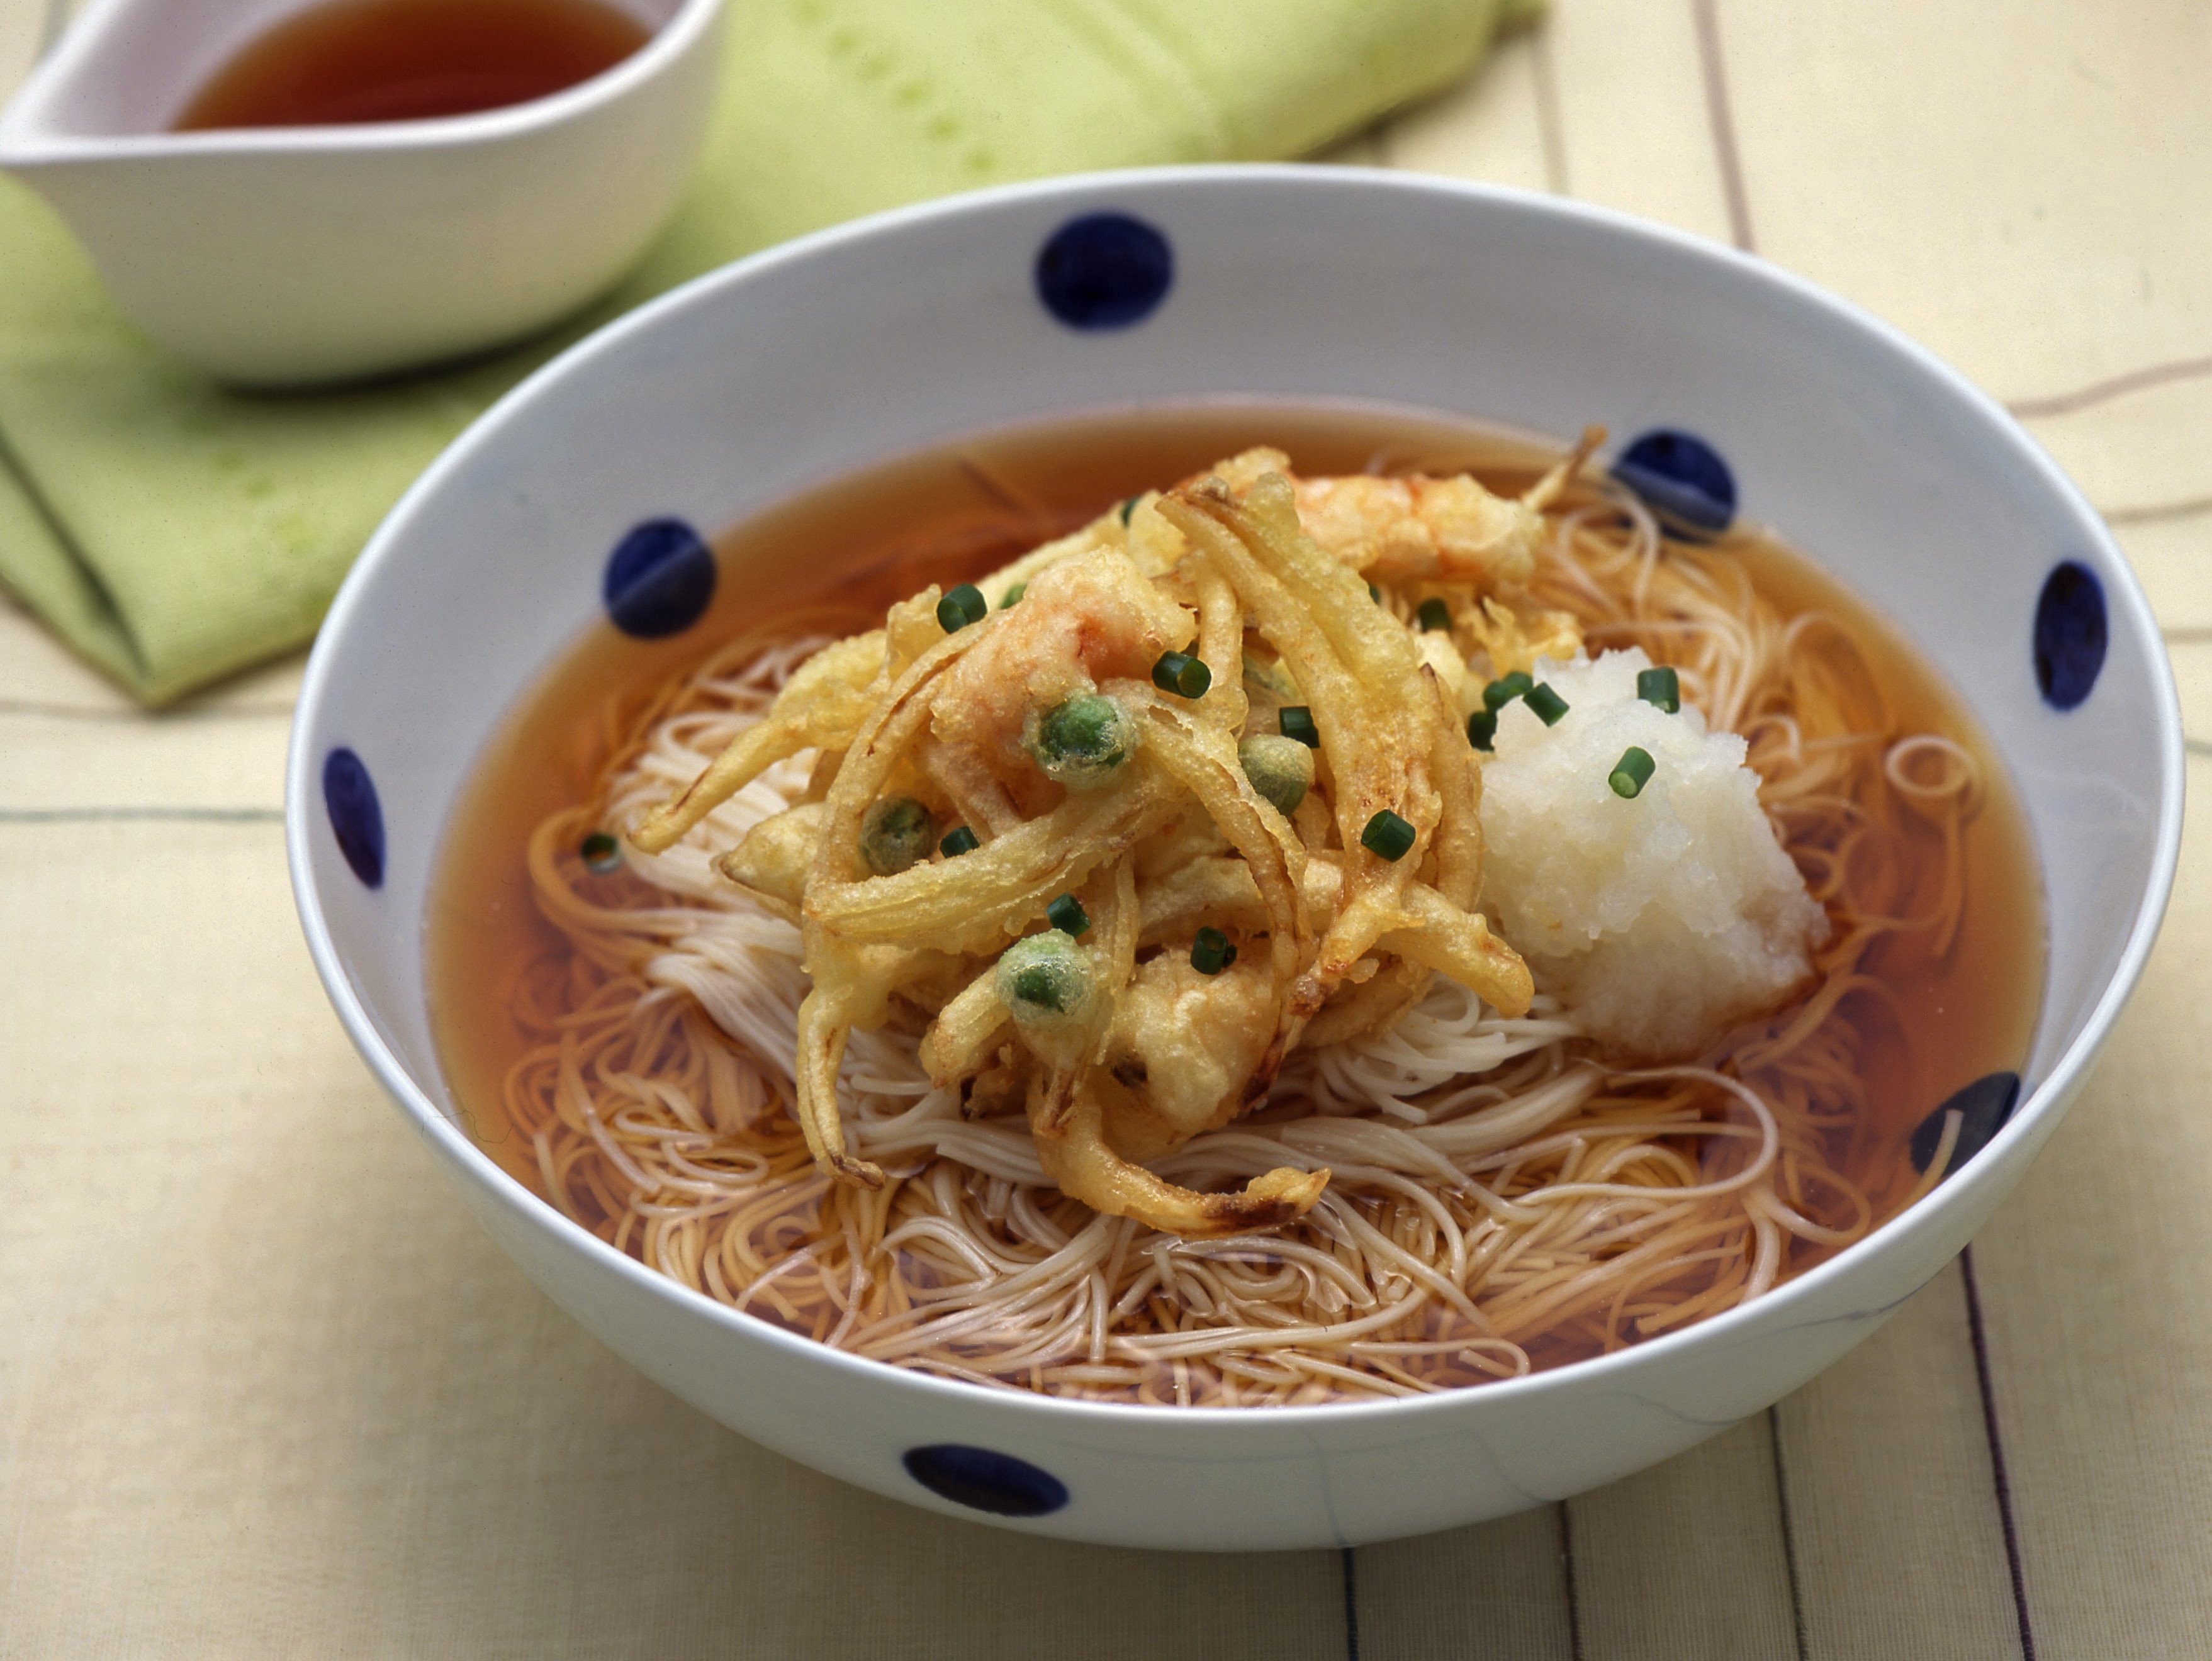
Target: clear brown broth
x,y
959,512
349,61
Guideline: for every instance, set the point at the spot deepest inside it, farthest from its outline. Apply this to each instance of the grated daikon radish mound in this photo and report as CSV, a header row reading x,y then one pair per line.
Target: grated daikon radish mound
x,y
1659,921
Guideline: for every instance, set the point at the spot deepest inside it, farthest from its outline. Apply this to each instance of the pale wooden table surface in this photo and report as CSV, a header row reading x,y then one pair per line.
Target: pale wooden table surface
x,y
265,1390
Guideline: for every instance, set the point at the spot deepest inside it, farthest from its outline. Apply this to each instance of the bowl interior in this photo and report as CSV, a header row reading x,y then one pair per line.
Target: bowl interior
x,y
863,344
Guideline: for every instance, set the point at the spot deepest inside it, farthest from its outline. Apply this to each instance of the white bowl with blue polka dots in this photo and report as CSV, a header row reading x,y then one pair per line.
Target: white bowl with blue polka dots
x,y
583,495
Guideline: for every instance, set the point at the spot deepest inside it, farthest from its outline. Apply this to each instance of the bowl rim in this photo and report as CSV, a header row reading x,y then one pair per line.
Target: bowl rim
x,y
28,139
1135,186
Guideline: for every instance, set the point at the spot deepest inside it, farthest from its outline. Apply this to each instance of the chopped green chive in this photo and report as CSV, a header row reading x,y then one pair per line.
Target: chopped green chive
x,y
896,832
1013,594
1127,508
958,840
1211,951
1504,690
1296,721
1181,673
963,606
1387,836
1434,615
1066,914
1632,773
1548,703
1482,728
602,853
1375,594
1661,688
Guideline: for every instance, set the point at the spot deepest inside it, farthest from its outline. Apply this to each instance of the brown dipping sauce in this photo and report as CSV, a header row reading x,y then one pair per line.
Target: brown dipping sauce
x,y
351,61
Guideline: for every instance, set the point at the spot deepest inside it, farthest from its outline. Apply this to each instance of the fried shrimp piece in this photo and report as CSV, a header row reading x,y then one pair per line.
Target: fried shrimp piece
x,y
1418,529
1091,618
1409,529
1414,529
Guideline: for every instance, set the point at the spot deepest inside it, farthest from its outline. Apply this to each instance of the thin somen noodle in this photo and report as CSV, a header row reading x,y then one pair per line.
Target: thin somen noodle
x,y
1503,1192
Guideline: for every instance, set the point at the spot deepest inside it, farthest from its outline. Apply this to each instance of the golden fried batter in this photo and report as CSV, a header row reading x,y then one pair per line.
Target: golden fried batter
x,y
1125,933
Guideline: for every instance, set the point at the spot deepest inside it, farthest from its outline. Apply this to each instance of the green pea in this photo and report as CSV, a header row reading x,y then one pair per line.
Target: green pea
x,y
896,832
1281,769
1046,982
1082,743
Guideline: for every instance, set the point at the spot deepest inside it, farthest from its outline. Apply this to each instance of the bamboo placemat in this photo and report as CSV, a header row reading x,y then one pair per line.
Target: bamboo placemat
x,y
265,1390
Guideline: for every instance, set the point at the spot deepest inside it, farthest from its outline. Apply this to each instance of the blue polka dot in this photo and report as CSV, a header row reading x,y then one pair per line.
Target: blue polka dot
x,y
2070,634
659,579
1105,272
349,798
1983,1107
1682,480
984,1480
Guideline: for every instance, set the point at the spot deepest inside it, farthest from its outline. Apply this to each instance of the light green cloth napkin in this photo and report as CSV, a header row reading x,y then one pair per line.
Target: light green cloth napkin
x,y
172,533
